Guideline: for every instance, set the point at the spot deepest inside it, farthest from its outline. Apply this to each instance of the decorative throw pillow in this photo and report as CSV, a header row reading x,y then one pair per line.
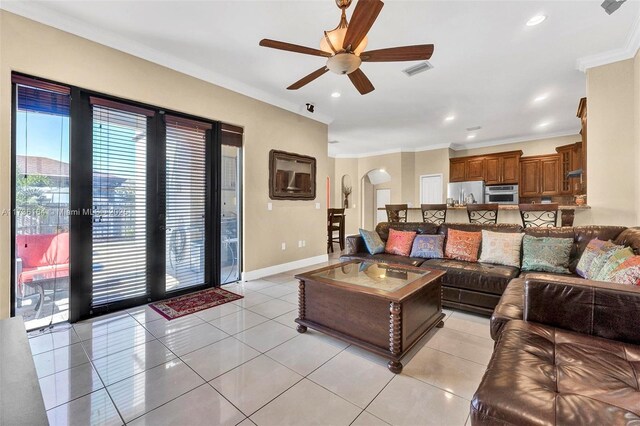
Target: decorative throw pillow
x,y
501,248
463,245
399,242
602,258
428,246
615,260
593,249
628,272
546,254
373,241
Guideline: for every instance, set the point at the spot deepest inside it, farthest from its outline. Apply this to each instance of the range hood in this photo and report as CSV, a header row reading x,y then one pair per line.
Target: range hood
x,y
575,173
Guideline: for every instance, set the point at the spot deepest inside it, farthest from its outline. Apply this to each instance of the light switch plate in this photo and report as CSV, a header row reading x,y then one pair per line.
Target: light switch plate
x,y
317,206
269,206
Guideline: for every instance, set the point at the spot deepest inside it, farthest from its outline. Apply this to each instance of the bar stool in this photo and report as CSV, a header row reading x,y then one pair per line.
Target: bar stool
x,y
335,222
539,215
396,212
483,214
434,213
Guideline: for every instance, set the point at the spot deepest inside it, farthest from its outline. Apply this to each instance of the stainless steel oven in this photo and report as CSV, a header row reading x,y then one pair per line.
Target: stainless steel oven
x,y
501,194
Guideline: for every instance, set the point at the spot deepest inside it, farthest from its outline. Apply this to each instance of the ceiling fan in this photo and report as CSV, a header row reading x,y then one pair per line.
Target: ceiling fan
x,y
344,47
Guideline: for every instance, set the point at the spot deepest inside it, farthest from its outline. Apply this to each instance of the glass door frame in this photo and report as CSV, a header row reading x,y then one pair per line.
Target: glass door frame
x,y
81,194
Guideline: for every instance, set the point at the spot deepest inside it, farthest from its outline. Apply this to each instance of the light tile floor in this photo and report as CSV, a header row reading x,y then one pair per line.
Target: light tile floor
x,y
244,363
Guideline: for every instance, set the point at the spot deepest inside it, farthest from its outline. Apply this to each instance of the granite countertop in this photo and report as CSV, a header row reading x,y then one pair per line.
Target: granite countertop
x,y
511,207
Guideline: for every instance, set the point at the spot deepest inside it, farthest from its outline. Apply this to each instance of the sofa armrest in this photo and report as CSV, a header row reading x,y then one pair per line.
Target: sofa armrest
x,y
509,307
354,245
611,311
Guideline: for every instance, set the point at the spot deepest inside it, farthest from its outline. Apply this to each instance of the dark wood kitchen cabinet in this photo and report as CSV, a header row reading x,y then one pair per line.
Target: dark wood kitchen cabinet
x,y
539,176
474,169
457,169
570,157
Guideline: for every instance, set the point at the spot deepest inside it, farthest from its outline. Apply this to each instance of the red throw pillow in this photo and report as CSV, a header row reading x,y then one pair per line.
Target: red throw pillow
x,y
463,245
399,242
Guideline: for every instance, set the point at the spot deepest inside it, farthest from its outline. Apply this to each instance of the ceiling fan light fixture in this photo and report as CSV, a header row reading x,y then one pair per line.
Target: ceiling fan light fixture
x,y
343,63
333,40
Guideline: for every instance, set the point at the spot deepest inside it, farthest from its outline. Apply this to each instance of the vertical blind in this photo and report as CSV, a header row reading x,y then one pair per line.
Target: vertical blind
x,y
120,204
185,202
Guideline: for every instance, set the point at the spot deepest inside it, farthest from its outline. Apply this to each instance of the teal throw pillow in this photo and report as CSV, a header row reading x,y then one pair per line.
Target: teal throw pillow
x,y
373,241
546,254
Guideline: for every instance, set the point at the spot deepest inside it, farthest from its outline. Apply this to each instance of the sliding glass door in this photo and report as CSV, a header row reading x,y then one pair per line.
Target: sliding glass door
x,y
186,198
119,223
117,203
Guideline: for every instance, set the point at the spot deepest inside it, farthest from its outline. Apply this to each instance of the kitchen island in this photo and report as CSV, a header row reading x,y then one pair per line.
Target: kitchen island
x,y
508,213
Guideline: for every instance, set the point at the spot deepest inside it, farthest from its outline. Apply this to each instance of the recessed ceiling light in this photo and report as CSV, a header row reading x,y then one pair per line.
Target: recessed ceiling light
x,y
335,95
450,118
541,97
471,136
538,19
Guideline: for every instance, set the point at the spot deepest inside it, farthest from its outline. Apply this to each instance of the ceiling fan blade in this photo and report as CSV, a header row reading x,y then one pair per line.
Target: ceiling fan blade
x,y
420,52
308,79
281,45
361,82
364,15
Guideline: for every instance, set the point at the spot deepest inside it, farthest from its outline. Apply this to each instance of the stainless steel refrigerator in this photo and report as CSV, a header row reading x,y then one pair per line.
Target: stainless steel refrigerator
x,y
459,191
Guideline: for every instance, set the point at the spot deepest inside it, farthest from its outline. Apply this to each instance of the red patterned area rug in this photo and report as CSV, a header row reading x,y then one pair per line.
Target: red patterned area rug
x,y
194,302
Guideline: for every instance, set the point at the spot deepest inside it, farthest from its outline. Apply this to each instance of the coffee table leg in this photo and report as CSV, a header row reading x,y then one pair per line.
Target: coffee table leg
x,y
395,367
395,335
301,328
440,324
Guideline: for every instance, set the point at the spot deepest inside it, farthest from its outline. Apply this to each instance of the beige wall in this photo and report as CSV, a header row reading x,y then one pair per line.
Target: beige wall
x,y
36,49
532,147
612,144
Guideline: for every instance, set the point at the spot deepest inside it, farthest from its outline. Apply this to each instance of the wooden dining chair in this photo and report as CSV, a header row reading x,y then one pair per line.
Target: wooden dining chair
x,y
539,215
335,223
397,212
434,213
483,214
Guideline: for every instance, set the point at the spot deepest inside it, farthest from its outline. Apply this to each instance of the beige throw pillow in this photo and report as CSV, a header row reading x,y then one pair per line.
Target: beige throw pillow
x,y
501,248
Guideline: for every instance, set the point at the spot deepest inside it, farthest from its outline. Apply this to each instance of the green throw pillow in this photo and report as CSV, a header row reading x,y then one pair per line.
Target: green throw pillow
x,y
546,254
373,241
616,259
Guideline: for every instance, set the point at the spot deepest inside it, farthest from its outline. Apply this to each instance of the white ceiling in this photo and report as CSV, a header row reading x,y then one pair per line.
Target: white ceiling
x,y
489,66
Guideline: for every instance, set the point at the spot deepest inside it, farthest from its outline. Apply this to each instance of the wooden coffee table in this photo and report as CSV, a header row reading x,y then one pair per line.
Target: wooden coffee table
x,y
379,307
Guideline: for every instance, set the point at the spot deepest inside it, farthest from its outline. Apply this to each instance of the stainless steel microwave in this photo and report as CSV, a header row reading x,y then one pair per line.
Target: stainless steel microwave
x,y
501,194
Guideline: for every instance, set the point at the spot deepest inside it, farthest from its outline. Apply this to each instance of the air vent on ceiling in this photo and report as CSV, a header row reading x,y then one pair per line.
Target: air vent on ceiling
x,y
471,129
417,69
332,142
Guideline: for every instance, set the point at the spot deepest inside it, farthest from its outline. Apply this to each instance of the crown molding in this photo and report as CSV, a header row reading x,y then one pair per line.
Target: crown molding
x,y
498,142
391,151
42,14
629,50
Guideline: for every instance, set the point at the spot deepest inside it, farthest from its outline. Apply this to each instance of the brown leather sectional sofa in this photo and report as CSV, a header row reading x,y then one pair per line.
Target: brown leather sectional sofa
x,y
477,287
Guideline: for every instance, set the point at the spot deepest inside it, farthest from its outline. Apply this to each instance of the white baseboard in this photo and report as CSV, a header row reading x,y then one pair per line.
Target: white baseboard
x,y
283,267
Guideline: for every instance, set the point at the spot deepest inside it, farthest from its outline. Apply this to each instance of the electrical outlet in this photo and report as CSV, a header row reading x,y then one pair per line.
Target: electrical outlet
x,y
284,246
304,243
269,206
317,206
299,243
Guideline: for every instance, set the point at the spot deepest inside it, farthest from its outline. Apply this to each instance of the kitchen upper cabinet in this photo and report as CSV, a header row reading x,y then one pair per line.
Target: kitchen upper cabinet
x,y
457,170
474,169
493,169
539,176
570,159
511,168
530,177
550,179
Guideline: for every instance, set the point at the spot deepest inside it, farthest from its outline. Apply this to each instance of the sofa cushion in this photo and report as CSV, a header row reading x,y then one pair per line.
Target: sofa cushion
x,y
372,241
628,272
463,245
501,248
428,246
629,237
482,277
616,259
547,376
399,242
58,251
418,227
546,254
384,258
510,307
